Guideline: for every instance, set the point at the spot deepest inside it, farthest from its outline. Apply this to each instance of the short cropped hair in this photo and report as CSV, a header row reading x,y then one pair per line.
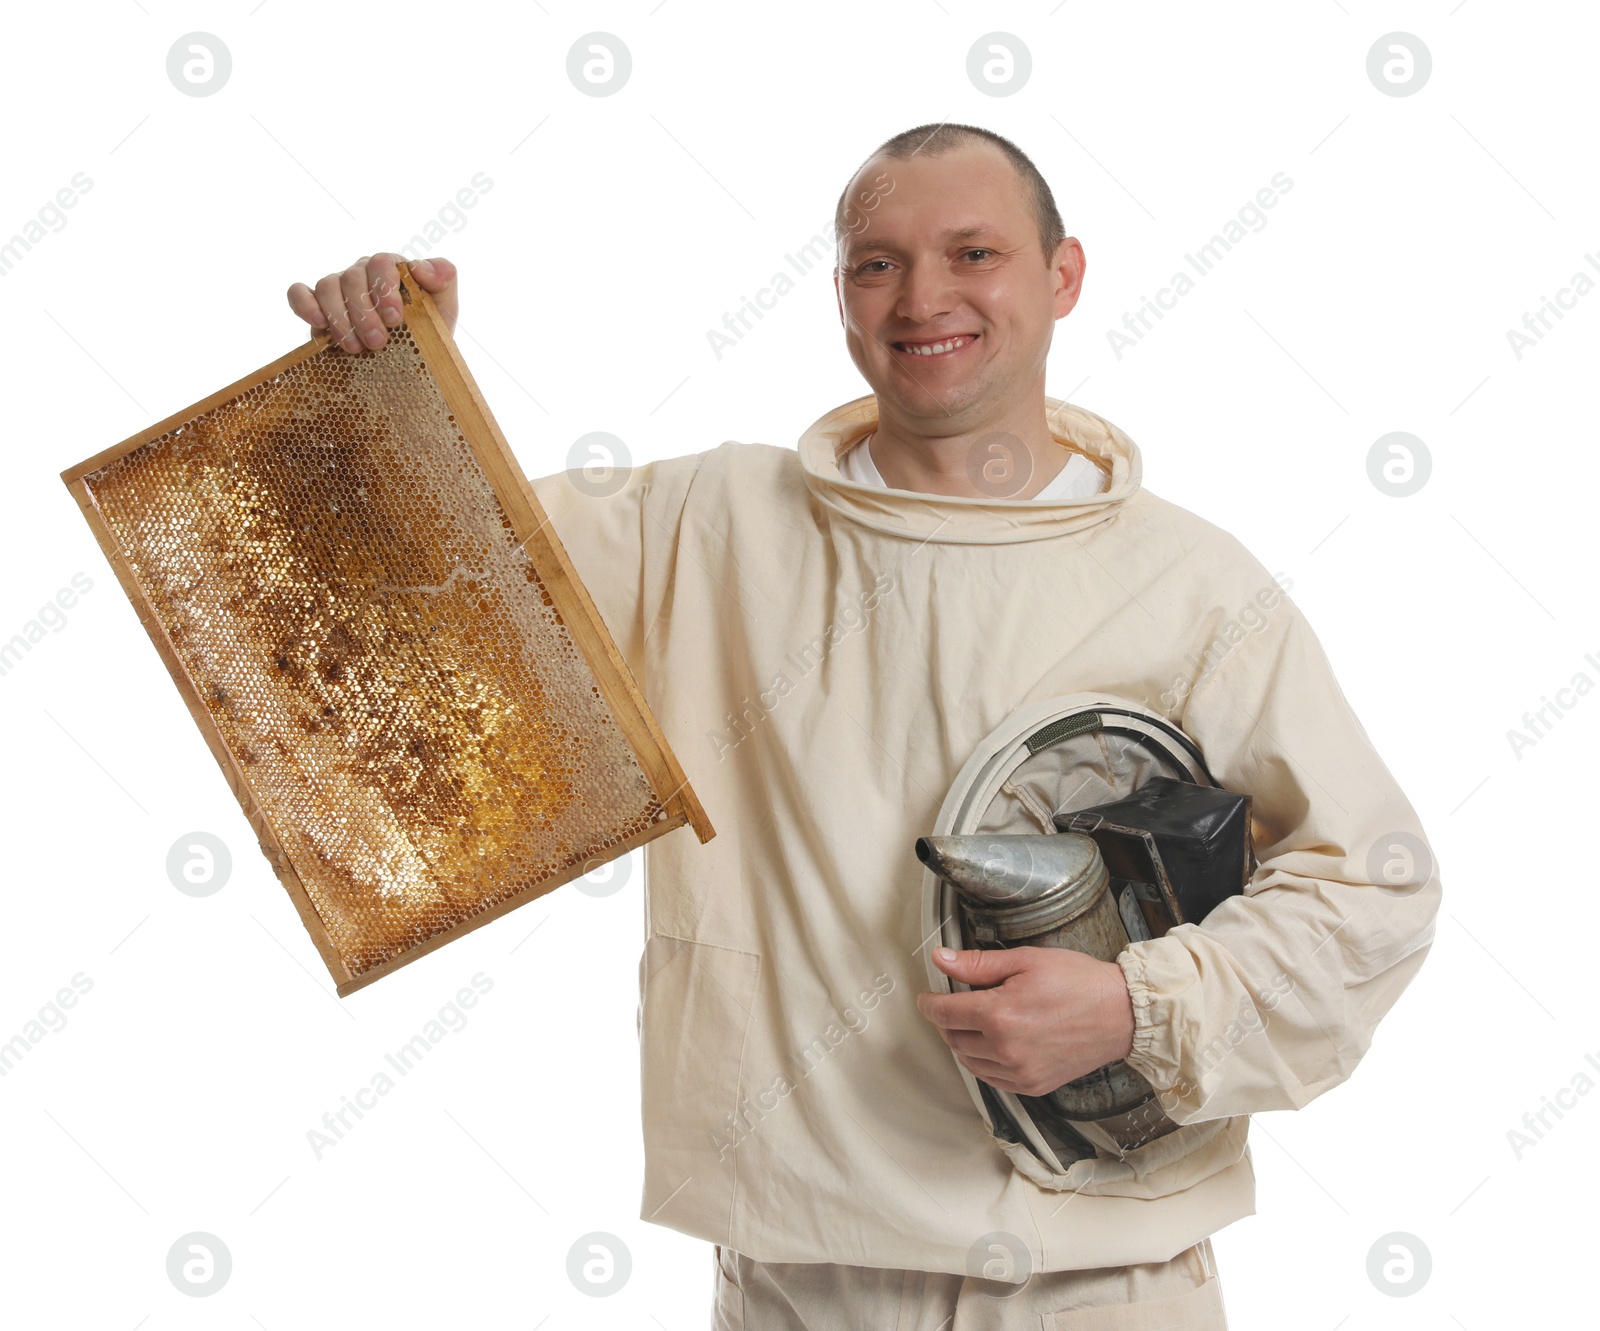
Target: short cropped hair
x,y
932,140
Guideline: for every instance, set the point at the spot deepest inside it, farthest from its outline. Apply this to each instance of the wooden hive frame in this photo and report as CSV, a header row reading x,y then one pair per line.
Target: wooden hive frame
x,y
533,532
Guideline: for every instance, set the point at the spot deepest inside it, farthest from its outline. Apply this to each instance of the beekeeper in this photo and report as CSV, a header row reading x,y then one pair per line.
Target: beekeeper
x,y
826,633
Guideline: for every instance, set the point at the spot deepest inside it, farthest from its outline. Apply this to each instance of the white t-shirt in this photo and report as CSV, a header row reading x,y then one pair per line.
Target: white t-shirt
x,y
1079,479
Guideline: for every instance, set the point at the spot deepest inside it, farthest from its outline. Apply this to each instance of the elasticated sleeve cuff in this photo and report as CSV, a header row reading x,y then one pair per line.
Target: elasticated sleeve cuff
x,y
1155,1053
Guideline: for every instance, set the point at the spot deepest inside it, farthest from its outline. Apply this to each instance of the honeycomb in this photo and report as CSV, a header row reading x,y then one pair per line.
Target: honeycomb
x,y
376,650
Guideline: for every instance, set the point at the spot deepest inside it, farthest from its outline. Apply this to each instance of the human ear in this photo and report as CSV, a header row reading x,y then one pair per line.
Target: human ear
x,y
1069,268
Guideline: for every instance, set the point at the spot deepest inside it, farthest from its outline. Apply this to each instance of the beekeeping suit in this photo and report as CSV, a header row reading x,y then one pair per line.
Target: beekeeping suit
x,y
824,656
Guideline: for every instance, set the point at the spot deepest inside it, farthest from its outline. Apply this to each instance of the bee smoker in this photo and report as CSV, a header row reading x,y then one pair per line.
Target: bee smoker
x,y
1029,890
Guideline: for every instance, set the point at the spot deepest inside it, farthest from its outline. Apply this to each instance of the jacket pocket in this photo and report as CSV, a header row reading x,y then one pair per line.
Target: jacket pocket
x,y
1167,1165
727,1308
1198,1310
696,1001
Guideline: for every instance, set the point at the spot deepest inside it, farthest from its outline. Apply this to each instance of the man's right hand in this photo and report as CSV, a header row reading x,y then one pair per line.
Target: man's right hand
x,y
358,306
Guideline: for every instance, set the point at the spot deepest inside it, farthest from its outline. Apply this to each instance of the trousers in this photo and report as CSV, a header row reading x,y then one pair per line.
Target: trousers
x,y
1182,1294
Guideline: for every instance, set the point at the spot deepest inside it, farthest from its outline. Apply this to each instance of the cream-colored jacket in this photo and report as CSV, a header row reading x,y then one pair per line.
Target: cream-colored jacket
x,y
823,657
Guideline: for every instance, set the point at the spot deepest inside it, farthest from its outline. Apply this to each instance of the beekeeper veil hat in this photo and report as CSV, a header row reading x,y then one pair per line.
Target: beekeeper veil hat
x,y
1051,757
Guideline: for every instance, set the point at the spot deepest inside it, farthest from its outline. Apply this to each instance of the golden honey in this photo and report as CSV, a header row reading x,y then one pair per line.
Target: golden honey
x,y
347,595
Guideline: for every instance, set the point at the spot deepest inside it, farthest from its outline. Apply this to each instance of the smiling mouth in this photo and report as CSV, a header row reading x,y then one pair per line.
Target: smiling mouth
x,y
935,350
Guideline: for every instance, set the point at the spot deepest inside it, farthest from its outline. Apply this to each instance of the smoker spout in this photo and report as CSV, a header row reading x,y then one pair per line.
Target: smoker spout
x,y
1010,870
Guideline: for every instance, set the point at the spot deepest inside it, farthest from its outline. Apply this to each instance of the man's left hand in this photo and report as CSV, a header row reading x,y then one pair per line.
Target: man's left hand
x,y
1036,1017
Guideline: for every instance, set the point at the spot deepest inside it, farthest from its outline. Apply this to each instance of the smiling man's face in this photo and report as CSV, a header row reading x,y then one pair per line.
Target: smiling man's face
x,y
947,303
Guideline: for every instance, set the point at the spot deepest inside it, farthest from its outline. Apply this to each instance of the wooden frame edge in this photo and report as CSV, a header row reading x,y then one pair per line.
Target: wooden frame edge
x,y
535,531
256,817
272,369
511,903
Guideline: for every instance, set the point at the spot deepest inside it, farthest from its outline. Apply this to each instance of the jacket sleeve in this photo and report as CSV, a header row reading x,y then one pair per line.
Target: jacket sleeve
x,y
1275,996
620,532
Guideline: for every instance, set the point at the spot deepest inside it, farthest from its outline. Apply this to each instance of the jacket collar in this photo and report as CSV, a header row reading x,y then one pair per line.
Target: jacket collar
x,y
951,518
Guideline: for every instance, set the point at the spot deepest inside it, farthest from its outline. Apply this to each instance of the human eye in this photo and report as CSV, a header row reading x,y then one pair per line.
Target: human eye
x,y
867,270
979,250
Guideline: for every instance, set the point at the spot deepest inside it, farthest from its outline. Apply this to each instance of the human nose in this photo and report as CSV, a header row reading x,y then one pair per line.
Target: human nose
x,y
926,293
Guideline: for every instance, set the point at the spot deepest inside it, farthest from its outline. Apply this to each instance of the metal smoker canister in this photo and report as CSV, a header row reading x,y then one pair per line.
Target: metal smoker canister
x,y
1032,890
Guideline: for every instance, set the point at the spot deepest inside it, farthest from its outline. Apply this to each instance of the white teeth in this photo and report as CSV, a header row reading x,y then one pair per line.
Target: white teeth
x,y
938,347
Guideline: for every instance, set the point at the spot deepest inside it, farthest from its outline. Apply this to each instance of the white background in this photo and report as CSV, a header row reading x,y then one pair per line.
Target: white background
x,y
618,230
